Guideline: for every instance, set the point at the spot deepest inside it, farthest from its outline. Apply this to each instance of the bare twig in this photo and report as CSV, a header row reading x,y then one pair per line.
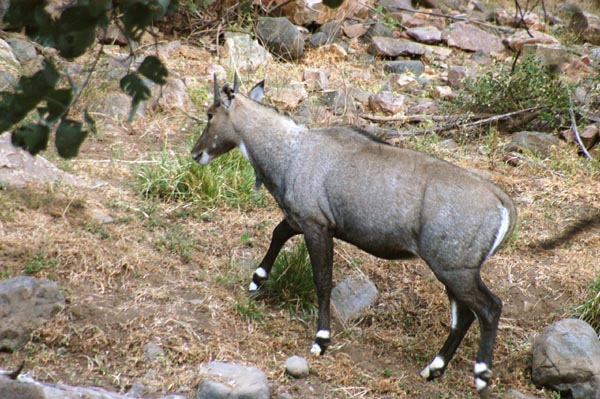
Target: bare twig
x,y
403,118
575,132
485,121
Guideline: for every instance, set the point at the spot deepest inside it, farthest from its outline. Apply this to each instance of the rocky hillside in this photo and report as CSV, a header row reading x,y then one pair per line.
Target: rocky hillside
x,y
136,287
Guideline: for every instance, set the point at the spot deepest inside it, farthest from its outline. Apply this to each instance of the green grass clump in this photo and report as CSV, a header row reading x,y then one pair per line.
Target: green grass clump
x,y
525,85
590,310
228,180
291,282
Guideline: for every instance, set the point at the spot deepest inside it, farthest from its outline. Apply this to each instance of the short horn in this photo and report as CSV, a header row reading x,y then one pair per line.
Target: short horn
x,y
236,83
217,96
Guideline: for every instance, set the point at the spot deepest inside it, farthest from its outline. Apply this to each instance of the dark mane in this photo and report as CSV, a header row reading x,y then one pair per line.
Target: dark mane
x,y
368,135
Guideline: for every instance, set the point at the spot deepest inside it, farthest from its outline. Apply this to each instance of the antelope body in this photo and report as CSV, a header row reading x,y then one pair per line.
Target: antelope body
x,y
394,203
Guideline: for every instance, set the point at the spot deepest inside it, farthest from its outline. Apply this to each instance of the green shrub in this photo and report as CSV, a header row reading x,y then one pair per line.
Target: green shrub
x,y
507,89
228,180
590,310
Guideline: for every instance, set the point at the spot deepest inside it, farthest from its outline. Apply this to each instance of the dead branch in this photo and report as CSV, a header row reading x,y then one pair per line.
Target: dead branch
x,y
575,131
403,118
484,121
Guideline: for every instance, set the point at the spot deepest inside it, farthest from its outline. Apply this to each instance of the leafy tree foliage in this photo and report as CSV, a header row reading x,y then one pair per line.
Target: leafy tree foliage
x,y
71,30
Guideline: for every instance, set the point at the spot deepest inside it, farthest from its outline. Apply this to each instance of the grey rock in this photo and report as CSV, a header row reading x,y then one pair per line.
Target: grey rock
x,y
338,101
387,102
396,5
19,168
514,394
281,37
378,29
566,358
153,351
23,50
26,303
213,390
4,4
352,297
137,390
9,67
329,33
173,95
234,380
244,53
26,388
297,367
318,39
390,47
316,79
415,67
116,106
174,396
456,76
471,38
536,142
425,34
552,55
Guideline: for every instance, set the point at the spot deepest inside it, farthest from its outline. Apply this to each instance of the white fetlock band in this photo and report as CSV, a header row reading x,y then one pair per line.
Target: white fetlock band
x,y
260,272
315,350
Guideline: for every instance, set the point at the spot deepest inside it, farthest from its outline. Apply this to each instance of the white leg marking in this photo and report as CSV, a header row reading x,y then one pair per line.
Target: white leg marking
x,y
480,368
504,223
243,150
436,364
480,384
454,314
253,287
315,350
260,272
323,334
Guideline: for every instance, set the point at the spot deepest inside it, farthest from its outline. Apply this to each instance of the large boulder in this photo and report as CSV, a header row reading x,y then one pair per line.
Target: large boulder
x,y
281,37
10,69
26,304
566,358
18,167
469,37
352,297
232,381
25,387
244,53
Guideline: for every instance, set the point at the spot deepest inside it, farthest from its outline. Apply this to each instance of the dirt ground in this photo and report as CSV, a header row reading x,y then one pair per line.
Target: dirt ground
x,y
125,287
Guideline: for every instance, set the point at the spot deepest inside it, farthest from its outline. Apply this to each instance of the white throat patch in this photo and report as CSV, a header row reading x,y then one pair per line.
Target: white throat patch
x,y
244,150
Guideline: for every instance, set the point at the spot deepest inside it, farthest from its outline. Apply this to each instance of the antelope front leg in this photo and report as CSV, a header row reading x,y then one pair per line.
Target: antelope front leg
x,y
281,234
319,243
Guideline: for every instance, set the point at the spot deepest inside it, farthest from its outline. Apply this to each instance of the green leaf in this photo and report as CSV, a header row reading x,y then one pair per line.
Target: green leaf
x,y
75,31
134,87
153,69
136,18
28,93
58,102
31,137
333,3
69,137
90,121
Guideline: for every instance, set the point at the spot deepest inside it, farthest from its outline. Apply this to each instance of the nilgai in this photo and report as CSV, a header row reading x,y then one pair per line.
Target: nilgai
x,y
339,182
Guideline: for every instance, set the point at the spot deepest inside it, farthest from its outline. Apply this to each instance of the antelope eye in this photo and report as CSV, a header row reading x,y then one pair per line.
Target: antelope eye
x,y
209,115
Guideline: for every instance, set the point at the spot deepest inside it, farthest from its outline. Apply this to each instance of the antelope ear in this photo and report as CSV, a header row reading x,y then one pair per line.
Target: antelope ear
x,y
258,91
228,95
